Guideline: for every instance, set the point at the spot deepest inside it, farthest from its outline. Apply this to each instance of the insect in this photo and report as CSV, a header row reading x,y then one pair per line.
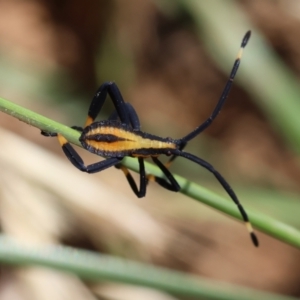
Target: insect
x,y
120,136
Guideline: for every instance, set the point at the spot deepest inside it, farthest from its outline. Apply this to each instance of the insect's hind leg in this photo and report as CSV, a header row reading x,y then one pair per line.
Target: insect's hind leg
x,y
173,157
141,192
171,184
226,187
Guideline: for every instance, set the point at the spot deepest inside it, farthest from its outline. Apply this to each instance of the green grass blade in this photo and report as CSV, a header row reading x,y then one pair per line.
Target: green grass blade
x,y
38,121
94,267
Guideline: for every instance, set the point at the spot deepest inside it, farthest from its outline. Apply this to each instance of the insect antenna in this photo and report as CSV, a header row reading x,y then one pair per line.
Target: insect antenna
x,y
224,94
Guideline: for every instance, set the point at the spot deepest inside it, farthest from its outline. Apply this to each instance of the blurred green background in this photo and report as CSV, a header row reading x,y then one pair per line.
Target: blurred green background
x,y
171,60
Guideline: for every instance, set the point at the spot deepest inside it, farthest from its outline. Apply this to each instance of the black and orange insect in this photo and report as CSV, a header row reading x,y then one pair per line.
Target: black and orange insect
x,y
120,136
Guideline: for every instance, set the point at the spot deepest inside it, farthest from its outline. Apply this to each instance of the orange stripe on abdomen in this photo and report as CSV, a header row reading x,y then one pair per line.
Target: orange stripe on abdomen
x,y
128,141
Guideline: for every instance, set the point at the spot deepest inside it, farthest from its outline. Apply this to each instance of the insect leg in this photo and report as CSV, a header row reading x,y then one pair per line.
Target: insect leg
x,y
141,192
226,187
77,161
98,100
171,184
172,158
132,115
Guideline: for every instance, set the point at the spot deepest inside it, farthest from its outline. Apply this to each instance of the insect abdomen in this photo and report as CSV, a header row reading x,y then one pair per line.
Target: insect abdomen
x,y
112,139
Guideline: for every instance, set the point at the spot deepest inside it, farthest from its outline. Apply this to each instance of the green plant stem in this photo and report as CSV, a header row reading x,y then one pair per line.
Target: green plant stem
x,y
94,267
262,222
38,121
